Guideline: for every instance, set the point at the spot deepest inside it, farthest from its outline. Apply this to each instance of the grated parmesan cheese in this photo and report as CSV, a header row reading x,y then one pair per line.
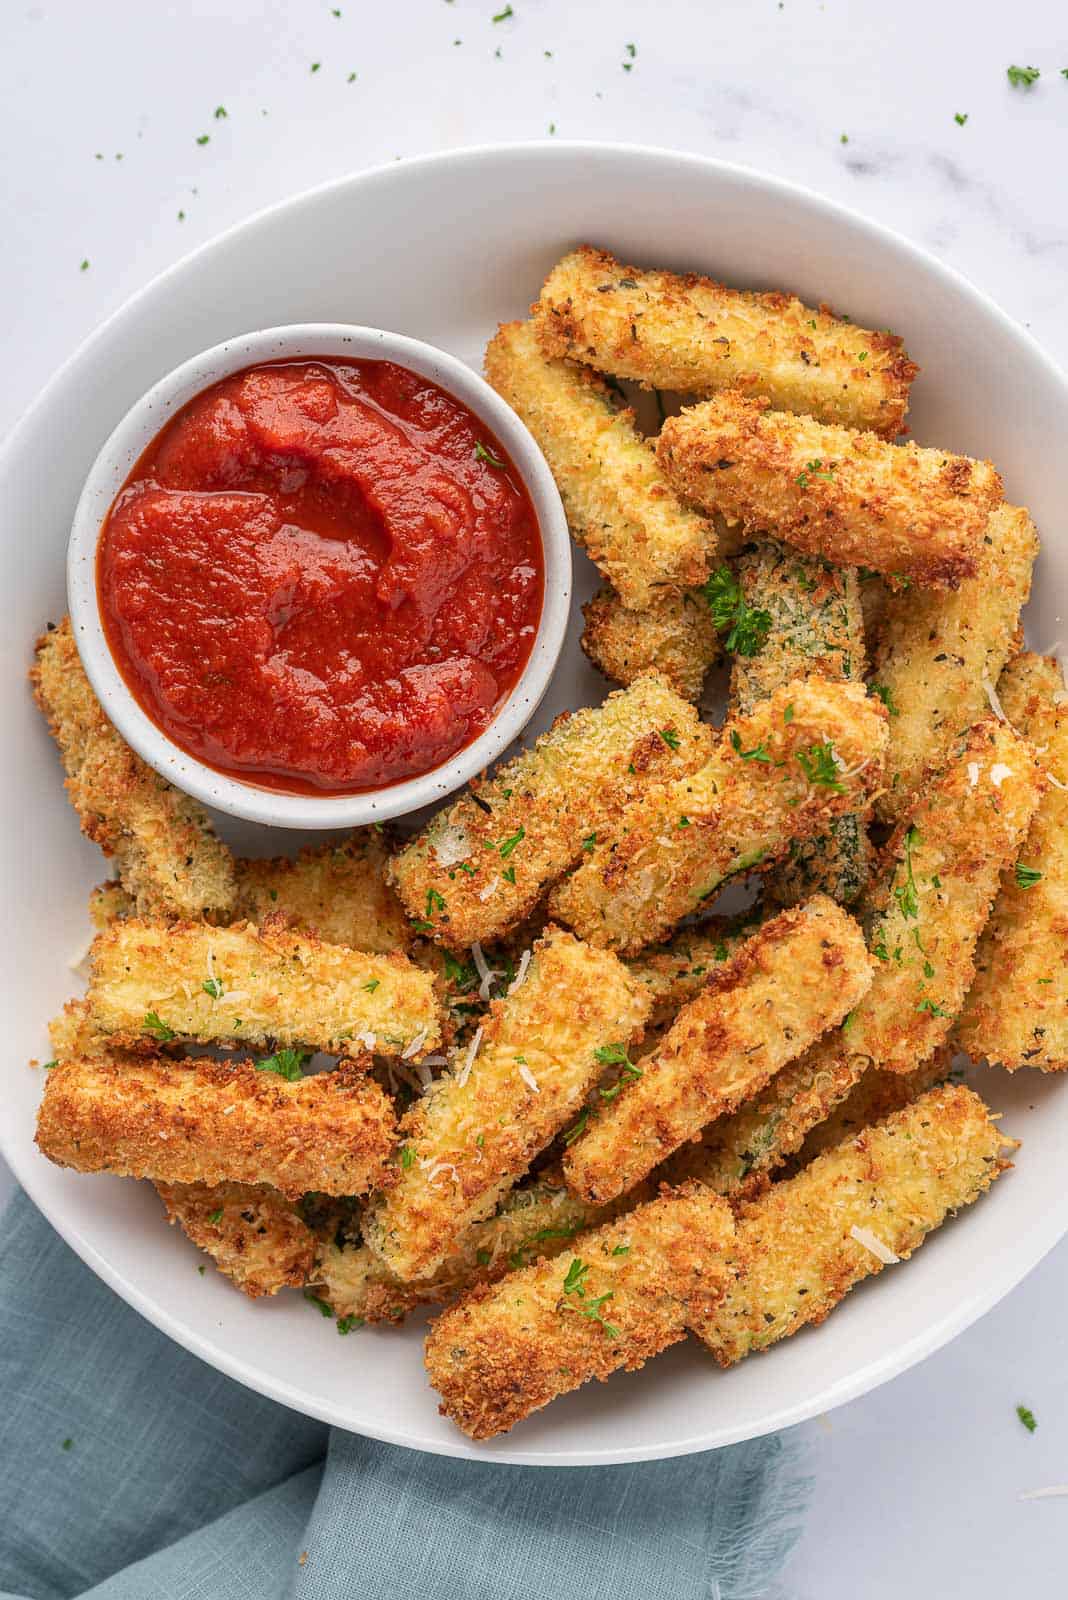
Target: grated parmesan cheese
x,y
521,972
78,962
469,1060
973,773
528,1077
490,889
366,1038
452,845
872,1242
995,704
413,1047
487,974
998,773
1052,1491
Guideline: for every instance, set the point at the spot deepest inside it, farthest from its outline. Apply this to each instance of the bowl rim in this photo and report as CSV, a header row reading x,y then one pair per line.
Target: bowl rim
x,y
977,1297
120,451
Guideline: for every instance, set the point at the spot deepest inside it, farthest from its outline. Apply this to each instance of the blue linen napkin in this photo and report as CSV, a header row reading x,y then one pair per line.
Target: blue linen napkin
x,y
129,1470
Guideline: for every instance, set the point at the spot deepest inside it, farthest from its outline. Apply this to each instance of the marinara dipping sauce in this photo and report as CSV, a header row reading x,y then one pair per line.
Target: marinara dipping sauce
x,y
322,575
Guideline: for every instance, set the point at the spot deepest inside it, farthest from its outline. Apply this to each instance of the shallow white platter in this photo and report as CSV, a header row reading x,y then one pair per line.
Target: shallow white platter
x,y
442,249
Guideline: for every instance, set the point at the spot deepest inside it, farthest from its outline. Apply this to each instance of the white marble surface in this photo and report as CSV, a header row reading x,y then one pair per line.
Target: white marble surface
x,y
916,1486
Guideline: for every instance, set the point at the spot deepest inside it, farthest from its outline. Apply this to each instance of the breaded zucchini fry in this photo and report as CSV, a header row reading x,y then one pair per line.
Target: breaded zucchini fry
x,y
1016,1013
252,1233
168,858
481,865
811,622
940,876
338,891
796,977
673,973
692,335
874,1096
874,599
622,1294
479,1126
807,755
939,652
210,1122
850,497
675,636
891,1185
538,1219
737,1151
617,503
155,981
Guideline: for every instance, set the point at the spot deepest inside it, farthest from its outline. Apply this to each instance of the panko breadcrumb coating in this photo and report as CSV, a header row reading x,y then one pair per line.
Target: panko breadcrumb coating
x,y
940,653
252,1233
481,865
814,624
522,1078
805,756
338,891
617,503
796,977
1016,1013
213,1122
675,972
875,1096
155,981
538,1219
692,335
901,509
675,636
621,1294
894,1184
161,840
940,874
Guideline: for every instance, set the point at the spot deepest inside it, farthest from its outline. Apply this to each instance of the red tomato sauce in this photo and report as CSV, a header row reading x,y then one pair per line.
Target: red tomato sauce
x,y
322,575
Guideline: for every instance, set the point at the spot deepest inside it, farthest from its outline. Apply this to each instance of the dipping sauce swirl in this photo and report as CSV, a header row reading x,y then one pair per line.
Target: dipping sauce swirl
x,y
322,576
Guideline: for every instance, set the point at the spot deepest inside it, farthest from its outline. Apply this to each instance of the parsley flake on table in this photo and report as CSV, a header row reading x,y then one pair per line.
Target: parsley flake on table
x,y
85,265
315,66
960,118
315,1300
1027,1417
203,138
220,112
1023,77
502,16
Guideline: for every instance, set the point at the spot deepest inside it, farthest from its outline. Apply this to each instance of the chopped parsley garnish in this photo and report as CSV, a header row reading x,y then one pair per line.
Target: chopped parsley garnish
x,y
220,112
818,765
590,842
745,626
68,1444
482,454
508,874
883,691
216,1216
759,751
314,1300
610,1055
935,1010
316,65
621,1250
788,714
577,1128
815,469
346,1324
502,16
506,846
684,822
434,902
213,987
351,78
1026,877
1025,1414
670,738
49,1065
203,138
284,1063
960,118
575,1284
483,1257
157,1028
84,265
1023,77
407,1157
905,894
459,973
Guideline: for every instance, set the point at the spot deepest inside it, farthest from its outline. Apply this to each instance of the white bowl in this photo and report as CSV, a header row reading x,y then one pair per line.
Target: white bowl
x,y
124,447
445,247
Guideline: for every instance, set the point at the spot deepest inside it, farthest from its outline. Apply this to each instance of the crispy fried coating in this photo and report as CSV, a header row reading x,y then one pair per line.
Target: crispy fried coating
x,y
252,1233
678,971
874,1096
736,1152
623,1293
213,1122
940,874
1016,1013
675,636
161,840
479,1127
152,980
896,1181
901,509
695,336
805,756
939,651
797,976
338,891
814,625
874,599
617,503
538,1219
481,865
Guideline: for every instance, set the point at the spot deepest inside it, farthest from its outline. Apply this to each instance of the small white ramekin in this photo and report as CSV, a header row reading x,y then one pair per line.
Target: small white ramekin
x,y
136,431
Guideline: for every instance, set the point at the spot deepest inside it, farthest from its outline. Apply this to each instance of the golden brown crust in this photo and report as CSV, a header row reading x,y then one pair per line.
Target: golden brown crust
x,y
675,636
482,864
850,497
939,652
796,977
255,986
168,857
689,334
252,1233
213,1122
623,1293
338,891
874,1096
678,971
1016,1013
616,500
678,843
476,1131
897,1181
